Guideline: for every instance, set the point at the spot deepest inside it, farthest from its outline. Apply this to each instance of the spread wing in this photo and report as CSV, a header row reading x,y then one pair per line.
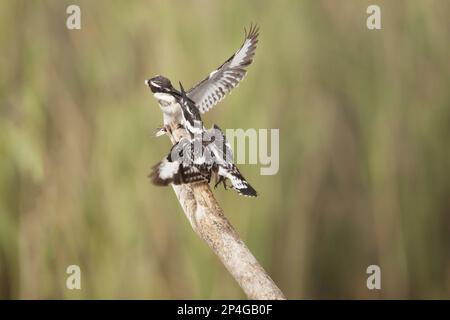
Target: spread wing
x,y
213,89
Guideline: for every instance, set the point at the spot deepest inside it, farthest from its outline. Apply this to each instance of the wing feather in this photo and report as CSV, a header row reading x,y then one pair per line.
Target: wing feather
x,y
211,90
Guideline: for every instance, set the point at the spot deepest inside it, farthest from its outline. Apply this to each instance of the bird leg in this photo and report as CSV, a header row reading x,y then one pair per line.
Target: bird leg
x,y
220,180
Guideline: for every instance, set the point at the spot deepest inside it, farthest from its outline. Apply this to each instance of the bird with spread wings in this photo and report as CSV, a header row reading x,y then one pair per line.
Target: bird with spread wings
x,y
211,90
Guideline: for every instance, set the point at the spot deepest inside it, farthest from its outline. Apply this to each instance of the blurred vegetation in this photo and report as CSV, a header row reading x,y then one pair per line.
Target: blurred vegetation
x,y
364,120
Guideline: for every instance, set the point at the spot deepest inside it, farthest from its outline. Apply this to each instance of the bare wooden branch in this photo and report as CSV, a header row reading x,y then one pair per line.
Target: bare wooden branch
x,y
209,222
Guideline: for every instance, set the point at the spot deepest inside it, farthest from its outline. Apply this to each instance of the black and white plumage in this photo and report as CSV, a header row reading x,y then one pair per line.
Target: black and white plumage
x,y
187,162
226,169
198,159
187,112
168,99
176,106
206,152
191,116
211,90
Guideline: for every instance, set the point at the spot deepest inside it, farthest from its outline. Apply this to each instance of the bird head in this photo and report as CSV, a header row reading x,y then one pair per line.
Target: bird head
x,y
159,84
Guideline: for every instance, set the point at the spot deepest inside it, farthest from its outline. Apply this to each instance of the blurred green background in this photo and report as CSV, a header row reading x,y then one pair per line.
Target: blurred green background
x,y
364,119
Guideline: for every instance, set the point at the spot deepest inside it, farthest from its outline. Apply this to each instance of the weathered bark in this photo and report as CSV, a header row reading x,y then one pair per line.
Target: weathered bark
x,y
209,222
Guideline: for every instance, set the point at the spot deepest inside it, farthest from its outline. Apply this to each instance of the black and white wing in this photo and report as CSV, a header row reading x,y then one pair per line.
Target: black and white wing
x,y
191,115
213,89
166,172
226,167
